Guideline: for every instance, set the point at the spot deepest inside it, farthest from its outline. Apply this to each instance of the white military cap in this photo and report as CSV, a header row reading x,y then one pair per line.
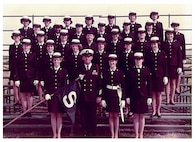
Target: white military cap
x,y
40,33
64,32
154,38
15,33
149,21
87,52
175,23
141,30
169,30
138,55
58,24
46,18
75,41
102,23
100,39
67,17
112,57
128,40
26,40
126,22
89,16
111,15
79,24
56,55
25,18
50,41
37,25
115,30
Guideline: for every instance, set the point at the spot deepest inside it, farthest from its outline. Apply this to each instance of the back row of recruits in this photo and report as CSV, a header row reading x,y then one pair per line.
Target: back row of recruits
x,y
32,57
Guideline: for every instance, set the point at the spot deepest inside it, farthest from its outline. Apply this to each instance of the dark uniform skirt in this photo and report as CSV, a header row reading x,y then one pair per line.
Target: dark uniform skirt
x,y
157,84
54,105
139,105
26,85
172,71
112,101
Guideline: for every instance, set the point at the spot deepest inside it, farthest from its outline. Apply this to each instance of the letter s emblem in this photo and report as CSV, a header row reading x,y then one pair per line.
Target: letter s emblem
x,y
72,99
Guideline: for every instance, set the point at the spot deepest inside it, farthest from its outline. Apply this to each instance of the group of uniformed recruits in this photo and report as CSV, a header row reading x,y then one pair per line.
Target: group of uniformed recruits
x,y
113,67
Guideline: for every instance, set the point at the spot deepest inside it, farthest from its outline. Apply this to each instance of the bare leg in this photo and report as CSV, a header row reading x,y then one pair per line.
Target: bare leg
x,y
178,83
29,100
54,124
136,124
154,103
159,100
116,124
40,91
111,124
141,125
16,93
24,101
172,90
59,125
167,91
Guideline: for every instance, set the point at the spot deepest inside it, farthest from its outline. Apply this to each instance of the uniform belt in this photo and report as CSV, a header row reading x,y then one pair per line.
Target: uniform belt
x,y
111,87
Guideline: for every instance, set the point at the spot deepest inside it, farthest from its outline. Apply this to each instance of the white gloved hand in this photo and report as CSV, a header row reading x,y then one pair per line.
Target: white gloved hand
x,y
165,80
81,76
100,92
184,61
35,82
17,83
122,103
179,70
47,97
103,103
42,83
128,100
149,101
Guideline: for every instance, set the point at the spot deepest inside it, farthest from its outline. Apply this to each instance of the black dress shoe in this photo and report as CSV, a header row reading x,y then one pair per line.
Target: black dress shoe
x,y
158,115
153,115
176,92
172,103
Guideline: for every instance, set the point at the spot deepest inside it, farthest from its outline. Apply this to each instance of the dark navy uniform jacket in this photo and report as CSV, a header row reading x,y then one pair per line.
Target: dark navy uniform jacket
x,y
157,63
92,29
140,82
173,52
73,64
81,37
180,37
134,29
115,48
55,79
14,50
90,85
48,32
26,33
101,60
130,34
117,78
158,29
109,28
143,47
26,66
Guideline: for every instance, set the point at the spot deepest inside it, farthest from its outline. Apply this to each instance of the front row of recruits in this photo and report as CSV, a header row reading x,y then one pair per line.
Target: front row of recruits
x,y
140,77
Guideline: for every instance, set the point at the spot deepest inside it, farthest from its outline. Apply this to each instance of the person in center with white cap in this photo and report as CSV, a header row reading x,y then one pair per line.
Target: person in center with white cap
x,y
14,50
156,61
173,51
56,77
126,32
157,25
149,30
26,75
89,78
141,45
89,20
115,45
102,31
140,89
181,38
56,33
26,31
47,28
113,80
67,24
111,24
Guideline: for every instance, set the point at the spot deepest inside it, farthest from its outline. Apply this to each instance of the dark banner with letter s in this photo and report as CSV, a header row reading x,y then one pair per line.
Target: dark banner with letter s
x,y
68,97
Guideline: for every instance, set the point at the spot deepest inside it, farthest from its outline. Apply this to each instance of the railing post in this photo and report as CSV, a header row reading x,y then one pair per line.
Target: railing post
x,y
169,20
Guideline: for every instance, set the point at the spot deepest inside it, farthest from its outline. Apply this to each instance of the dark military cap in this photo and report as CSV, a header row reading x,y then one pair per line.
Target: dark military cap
x,y
110,16
36,25
149,22
58,25
101,23
132,13
79,24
